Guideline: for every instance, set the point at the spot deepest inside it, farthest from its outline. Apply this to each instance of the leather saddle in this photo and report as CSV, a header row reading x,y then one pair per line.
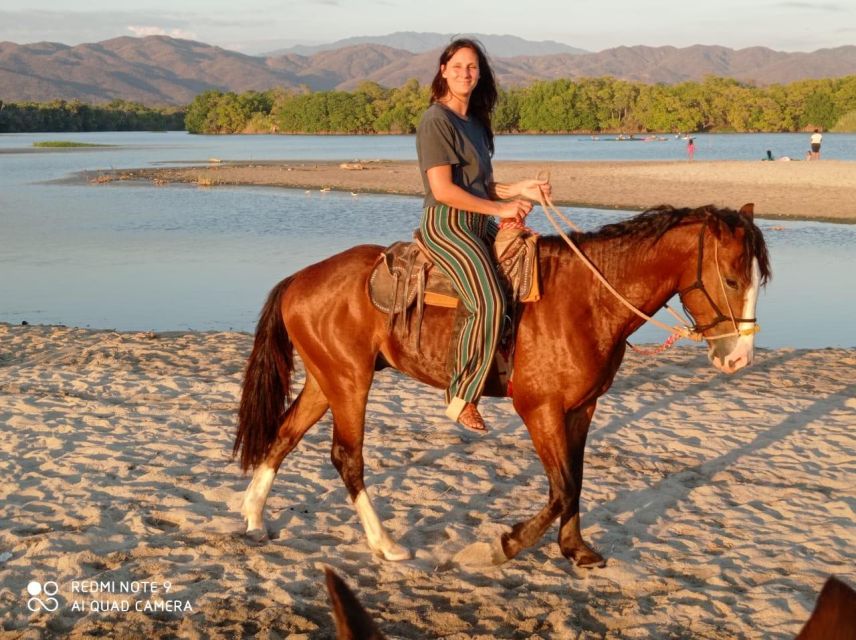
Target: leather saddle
x,y
404,275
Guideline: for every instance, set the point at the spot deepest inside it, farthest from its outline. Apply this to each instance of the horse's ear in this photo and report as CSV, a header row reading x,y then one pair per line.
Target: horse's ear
x,y
834,614
715,226
352,620
748,211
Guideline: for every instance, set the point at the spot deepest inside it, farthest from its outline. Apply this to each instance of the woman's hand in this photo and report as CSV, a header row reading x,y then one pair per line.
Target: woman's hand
x,y
514,210
532,189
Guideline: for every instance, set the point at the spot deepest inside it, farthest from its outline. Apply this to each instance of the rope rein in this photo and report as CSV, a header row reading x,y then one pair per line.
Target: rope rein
x,y
684,330
550,210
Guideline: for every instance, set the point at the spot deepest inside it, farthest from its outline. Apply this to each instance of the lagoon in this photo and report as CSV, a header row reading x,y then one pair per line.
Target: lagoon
x,y
144,257
177,146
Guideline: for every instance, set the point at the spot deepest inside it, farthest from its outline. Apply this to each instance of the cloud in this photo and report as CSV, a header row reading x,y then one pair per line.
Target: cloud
x,y
813,6
73,27
142,32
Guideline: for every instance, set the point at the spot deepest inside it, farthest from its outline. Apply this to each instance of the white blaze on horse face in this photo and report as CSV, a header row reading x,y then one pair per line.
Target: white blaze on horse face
x,y
256,496
378,538
744,348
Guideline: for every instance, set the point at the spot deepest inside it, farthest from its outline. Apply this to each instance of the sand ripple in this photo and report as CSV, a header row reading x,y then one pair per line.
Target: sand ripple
x,y
722,503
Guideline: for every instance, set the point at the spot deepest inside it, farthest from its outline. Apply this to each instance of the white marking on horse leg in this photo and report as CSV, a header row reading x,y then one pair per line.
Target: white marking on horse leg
x,y
378,538
255,497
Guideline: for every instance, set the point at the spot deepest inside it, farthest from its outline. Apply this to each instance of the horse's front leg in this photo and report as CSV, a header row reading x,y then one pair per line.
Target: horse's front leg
x,y
571,541
547,428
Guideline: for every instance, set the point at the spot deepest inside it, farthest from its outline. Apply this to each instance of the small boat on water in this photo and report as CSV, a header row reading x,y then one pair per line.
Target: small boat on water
x,y
624,138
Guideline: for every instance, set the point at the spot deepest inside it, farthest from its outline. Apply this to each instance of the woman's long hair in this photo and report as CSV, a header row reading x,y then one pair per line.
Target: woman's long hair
x,y
483,98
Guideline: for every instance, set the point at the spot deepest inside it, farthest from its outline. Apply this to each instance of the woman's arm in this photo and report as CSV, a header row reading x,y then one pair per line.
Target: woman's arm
x,y
450,194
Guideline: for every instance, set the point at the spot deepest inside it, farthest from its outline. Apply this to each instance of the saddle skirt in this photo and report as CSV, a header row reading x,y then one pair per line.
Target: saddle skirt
x,y
404,274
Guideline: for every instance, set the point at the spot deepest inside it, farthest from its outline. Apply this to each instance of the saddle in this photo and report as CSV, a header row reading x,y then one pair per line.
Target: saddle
x,y
404,275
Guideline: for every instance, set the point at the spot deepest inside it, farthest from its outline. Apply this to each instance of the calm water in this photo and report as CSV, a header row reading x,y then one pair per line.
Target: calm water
x,y
143,257
139,148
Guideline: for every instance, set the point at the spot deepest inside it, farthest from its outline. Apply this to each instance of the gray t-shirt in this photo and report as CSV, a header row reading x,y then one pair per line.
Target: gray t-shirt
x,y
444,137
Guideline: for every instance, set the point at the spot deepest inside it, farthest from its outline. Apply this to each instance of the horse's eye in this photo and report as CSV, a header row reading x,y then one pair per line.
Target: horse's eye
x,y
731,282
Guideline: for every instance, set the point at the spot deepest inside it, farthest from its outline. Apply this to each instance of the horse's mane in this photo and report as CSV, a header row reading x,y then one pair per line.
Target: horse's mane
x,y
653,224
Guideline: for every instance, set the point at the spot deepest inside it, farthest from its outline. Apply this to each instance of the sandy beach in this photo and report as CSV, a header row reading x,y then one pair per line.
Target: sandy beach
x,y
824,190
722,503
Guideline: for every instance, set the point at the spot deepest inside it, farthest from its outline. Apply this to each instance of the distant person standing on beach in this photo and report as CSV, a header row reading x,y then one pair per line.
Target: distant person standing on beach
x,y
816,137
690,148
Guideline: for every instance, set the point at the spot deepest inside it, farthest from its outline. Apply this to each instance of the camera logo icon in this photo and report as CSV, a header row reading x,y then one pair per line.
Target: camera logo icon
x,y
48,589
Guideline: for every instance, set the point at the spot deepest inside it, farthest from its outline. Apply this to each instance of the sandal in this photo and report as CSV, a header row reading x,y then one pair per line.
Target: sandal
x,y
471,418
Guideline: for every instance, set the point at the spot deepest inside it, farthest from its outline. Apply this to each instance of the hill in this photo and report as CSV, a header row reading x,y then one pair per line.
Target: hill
x,y
158,70
419,42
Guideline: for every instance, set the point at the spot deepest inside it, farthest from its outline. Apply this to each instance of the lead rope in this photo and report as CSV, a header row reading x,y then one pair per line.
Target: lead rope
x,y
671,340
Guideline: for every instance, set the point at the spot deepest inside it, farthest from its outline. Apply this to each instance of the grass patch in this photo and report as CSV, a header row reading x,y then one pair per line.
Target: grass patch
x,y
65,144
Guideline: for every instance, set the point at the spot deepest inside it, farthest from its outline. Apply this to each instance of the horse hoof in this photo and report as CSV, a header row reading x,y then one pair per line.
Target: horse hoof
x,y
396,553
256,535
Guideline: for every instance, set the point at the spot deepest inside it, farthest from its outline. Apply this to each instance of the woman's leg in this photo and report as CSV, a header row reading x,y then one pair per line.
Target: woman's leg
x,y
451,237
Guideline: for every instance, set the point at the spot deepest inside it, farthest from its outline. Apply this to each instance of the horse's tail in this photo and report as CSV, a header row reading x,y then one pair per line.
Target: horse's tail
x,y
267,383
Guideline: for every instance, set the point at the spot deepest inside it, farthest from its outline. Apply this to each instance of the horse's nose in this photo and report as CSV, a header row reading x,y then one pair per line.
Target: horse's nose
x,y
747,358
734,363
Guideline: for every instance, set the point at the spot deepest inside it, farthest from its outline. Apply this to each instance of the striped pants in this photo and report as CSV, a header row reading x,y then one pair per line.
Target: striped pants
x,y
459,243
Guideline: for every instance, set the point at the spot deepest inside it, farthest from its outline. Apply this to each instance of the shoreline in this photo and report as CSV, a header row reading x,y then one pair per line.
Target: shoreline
x,y
820,191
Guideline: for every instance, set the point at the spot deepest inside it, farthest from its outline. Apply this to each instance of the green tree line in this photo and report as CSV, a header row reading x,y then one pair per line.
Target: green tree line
x,y
588,105
559,106
60,115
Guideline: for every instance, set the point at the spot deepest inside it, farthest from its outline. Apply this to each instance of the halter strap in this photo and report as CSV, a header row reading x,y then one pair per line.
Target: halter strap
x,y
699,285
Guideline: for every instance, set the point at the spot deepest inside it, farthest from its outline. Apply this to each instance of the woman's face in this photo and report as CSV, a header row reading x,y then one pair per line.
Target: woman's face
x,y
461,72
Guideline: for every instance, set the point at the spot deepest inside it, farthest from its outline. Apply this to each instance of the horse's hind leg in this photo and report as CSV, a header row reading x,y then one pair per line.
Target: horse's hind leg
x,y
349,414
309,406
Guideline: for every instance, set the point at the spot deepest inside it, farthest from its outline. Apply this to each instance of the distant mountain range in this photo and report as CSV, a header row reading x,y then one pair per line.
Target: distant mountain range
x,y
419,42
159,70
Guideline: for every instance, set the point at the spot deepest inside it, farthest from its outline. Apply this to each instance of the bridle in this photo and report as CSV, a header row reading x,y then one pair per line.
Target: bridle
x,y
719,317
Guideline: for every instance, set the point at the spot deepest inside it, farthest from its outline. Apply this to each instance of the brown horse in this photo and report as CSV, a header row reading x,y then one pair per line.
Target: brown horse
x,y
568,347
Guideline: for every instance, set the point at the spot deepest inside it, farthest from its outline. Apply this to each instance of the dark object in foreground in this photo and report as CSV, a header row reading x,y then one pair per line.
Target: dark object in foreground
x,y
352,620
834,615
833,618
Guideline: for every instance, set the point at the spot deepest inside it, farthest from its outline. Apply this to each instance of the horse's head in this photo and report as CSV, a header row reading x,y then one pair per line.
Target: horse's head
x,y
721,290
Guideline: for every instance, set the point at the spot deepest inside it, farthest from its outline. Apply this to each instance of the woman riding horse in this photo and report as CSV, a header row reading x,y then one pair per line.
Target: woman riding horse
x,y
454,143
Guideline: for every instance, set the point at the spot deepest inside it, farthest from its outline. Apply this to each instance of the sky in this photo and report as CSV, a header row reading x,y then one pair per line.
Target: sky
x,y
255,26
